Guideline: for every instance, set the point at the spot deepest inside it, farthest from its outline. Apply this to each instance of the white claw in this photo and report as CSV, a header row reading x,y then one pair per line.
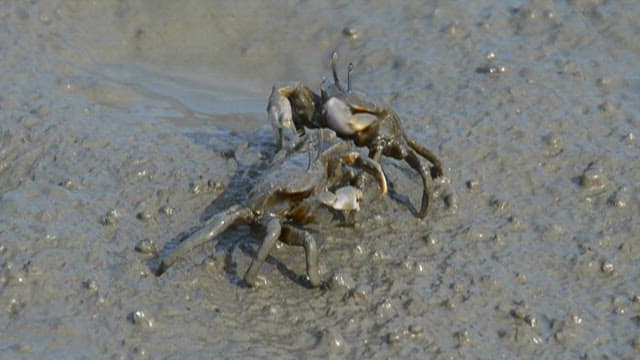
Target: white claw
x,y
280,114
345,198
341,119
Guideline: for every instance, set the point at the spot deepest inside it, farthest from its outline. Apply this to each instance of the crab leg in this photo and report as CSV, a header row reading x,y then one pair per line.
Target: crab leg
x,y
436,170
212,228
273,233
412,159
297,237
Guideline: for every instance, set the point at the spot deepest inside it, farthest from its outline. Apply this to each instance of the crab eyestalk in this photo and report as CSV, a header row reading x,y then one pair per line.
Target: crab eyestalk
x,y
349,70
334,70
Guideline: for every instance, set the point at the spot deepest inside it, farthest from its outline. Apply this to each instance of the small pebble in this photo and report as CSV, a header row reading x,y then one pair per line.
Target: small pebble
x,y
90,284
430,240
604,81
416,330
618,310
498,204
350,32
332,340
341,281
473,185
167,210
463,337
111,217
14,306
451,201
394,338
144,216
146,246
621,198
42,111
553,140
378,255
139,350
593,177
458,287
629,138
607,267
273,309
451,29
384,307
358,250
260,282
207,186
67,184
531,320
518,314
139,318
576,319
608,107
361,293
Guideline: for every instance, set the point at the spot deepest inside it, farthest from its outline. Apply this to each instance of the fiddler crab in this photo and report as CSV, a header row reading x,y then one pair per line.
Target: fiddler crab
x,y
351,116
286,197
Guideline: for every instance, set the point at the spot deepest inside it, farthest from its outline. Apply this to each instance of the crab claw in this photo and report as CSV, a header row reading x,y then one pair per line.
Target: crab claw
x,y
370,166
280,114
343,121
345,198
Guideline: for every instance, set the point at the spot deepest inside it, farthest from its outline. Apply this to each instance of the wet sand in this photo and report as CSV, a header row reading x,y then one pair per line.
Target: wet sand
x,y
126,124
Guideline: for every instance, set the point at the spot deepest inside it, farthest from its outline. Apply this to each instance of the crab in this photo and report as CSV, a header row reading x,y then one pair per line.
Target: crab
x,y
284,199
351,116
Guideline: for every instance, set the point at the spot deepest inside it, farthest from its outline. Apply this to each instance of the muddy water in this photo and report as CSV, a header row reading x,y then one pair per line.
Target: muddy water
x,y
125,124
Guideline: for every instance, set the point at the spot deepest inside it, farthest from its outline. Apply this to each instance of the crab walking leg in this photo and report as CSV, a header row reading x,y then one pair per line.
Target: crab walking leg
x,y
375,152
273,233
436,170
212,228
297,237
412,159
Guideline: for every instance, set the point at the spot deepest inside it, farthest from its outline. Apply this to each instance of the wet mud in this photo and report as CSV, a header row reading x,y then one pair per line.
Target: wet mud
x,y
125,125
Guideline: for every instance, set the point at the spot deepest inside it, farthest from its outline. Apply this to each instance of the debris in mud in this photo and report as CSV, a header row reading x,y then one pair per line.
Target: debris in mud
x,y
139,318
146,246
167,210
607,267
341,281
144,216
111,217
593,177
621,198
473,185
332,341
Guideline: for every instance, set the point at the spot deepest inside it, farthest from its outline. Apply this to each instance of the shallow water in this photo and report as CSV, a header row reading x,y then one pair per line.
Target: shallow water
x,y
129,120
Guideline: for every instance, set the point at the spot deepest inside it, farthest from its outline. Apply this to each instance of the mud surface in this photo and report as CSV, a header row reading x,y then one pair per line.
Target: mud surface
x,y
124,124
